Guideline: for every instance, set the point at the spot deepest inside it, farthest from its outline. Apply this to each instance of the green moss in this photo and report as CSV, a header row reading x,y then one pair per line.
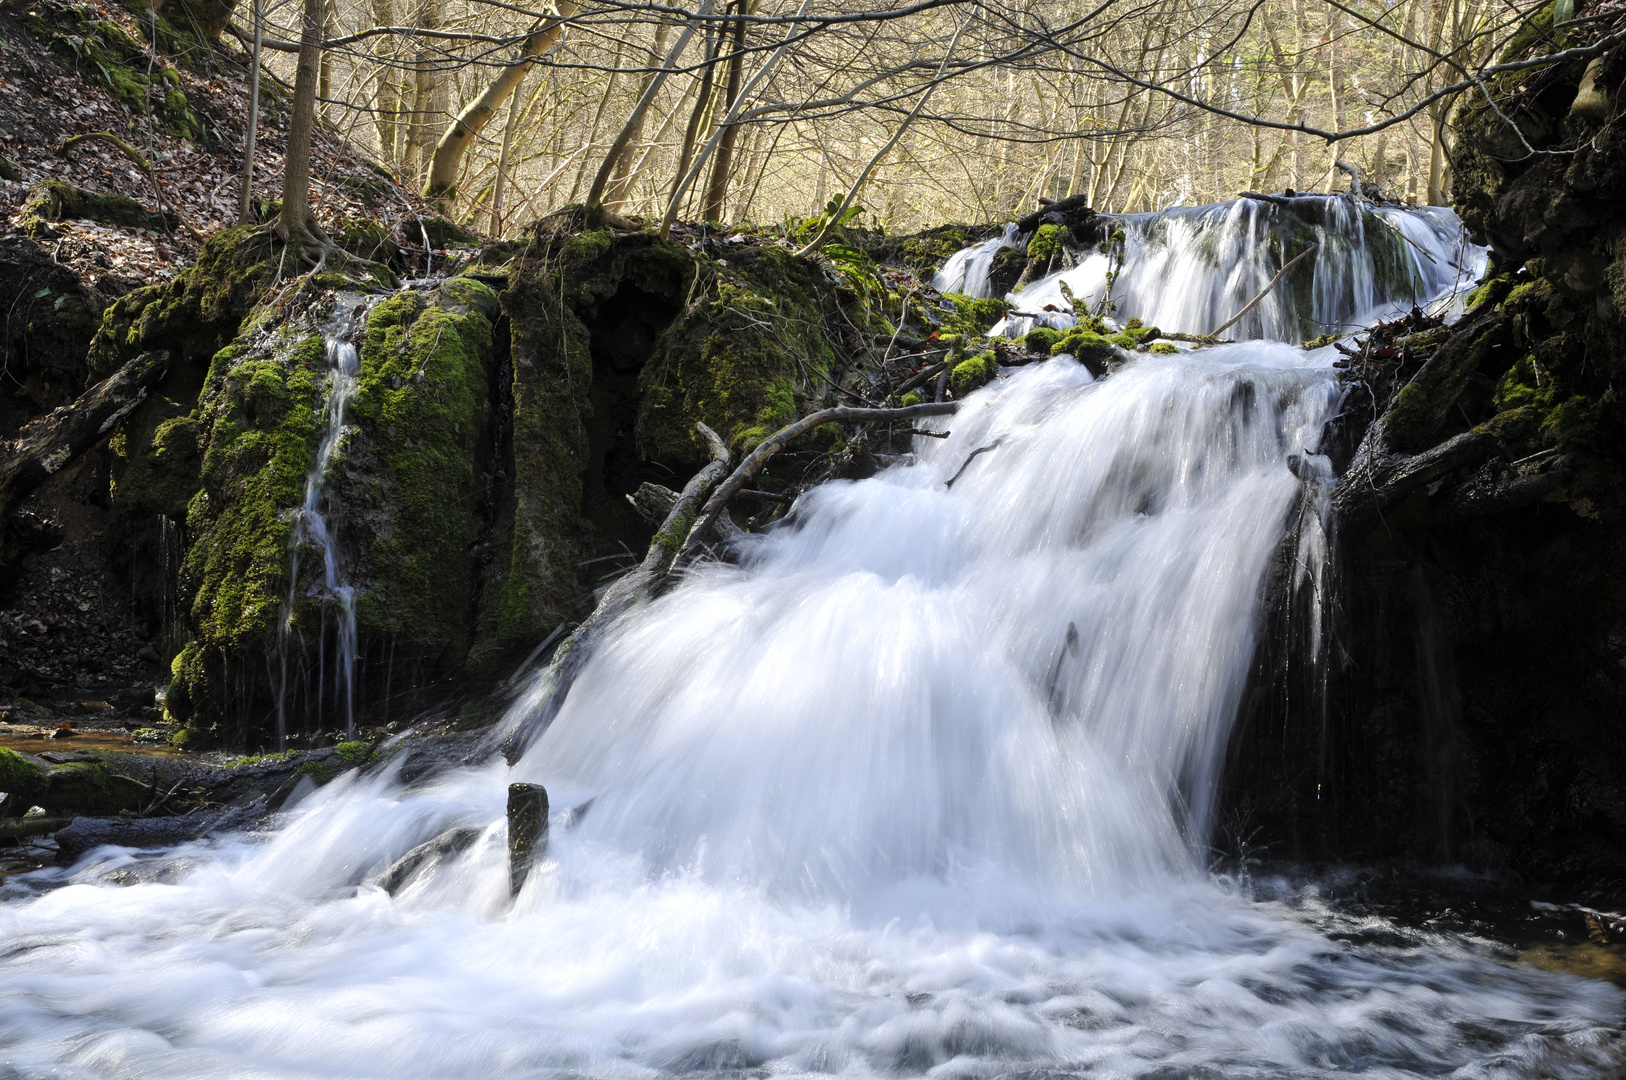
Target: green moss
x,y
912,398
193,315
743,361
91,788
973,317
319,772
260,412
973,373
353,753
1041,339
1047,241
258,759
22,780
420,406
1161,347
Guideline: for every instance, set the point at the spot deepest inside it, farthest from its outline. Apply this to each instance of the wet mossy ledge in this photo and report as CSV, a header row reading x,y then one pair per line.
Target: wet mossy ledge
x,y
500,420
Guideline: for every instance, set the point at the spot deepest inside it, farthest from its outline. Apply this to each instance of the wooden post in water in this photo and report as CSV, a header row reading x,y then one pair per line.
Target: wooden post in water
x,y
527,831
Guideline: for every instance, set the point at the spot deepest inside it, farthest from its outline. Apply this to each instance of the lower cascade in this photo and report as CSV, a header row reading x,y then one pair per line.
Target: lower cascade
x,y
925,782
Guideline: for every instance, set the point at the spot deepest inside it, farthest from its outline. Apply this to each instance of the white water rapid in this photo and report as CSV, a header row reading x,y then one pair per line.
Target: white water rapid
x,y
921,787
1189,269
311,528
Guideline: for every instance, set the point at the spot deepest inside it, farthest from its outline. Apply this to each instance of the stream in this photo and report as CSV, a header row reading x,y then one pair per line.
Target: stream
x,y
923,784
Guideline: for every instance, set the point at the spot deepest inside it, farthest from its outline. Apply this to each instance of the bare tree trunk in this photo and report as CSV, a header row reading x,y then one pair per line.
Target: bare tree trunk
x,y
296,224
621,187
448,157
245,213
635,122
702,99
502,166
427,91
723,163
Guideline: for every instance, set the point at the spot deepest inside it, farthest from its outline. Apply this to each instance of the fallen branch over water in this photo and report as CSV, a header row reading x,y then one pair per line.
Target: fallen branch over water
x,y
756,459
1271,284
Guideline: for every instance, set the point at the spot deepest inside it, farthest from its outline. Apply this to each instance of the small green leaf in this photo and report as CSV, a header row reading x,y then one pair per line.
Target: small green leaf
x,y
43,292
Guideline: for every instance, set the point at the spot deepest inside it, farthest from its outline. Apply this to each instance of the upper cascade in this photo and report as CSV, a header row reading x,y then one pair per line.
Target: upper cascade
x,y
1190,269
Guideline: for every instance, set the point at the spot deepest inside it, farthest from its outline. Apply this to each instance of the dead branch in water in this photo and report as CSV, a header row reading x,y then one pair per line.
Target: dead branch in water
x,y
756,459
1228,323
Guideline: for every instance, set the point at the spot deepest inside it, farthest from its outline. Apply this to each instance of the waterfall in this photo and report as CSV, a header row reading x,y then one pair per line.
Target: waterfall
x,y
967,270
922,784
313,529
1189,269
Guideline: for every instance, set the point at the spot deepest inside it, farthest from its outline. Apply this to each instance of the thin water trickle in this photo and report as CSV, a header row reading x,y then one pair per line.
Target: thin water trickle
x,y
312,528
921,786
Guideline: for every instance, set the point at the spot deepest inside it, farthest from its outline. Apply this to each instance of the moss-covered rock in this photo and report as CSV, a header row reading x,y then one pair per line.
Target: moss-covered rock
x,y
56,200
411,480
23,780
970,374
742,358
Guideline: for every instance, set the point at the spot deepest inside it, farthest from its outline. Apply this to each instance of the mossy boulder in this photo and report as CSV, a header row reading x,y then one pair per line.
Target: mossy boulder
x,y
742,359
970,374
413,478
1041,339
23,780
56,200
92,789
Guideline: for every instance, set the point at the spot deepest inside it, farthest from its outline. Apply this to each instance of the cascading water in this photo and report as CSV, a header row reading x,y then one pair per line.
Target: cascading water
x,y
1189,269
312,528
921,786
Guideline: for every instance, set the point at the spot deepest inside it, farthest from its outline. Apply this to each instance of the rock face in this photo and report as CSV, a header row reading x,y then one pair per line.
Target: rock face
x,y
1472,705
497,424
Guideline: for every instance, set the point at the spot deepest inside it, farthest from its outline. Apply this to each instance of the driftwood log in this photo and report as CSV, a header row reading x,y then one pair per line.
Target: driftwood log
x,y
49,443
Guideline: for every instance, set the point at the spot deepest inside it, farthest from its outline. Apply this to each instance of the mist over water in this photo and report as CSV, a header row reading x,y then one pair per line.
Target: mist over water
x,y
924,784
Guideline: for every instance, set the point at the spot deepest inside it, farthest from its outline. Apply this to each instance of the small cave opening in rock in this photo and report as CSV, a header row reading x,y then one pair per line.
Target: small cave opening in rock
x,y
623,333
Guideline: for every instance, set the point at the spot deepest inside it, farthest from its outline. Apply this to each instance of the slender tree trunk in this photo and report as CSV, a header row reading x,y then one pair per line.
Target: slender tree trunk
x,y
296,224
702,99
447,161
621,186
246,215
502,166
723,163
324,82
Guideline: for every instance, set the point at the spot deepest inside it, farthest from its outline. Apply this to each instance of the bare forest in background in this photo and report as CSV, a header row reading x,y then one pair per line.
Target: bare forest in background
x,y
953,110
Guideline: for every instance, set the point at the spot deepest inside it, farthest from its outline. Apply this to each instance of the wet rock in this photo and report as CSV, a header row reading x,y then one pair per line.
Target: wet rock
x,y
85,833
91,788
23,779
424,858
527,831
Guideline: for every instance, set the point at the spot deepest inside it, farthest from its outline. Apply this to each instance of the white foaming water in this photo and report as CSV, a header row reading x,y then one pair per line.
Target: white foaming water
x,y
311,528
921,786
1189,269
